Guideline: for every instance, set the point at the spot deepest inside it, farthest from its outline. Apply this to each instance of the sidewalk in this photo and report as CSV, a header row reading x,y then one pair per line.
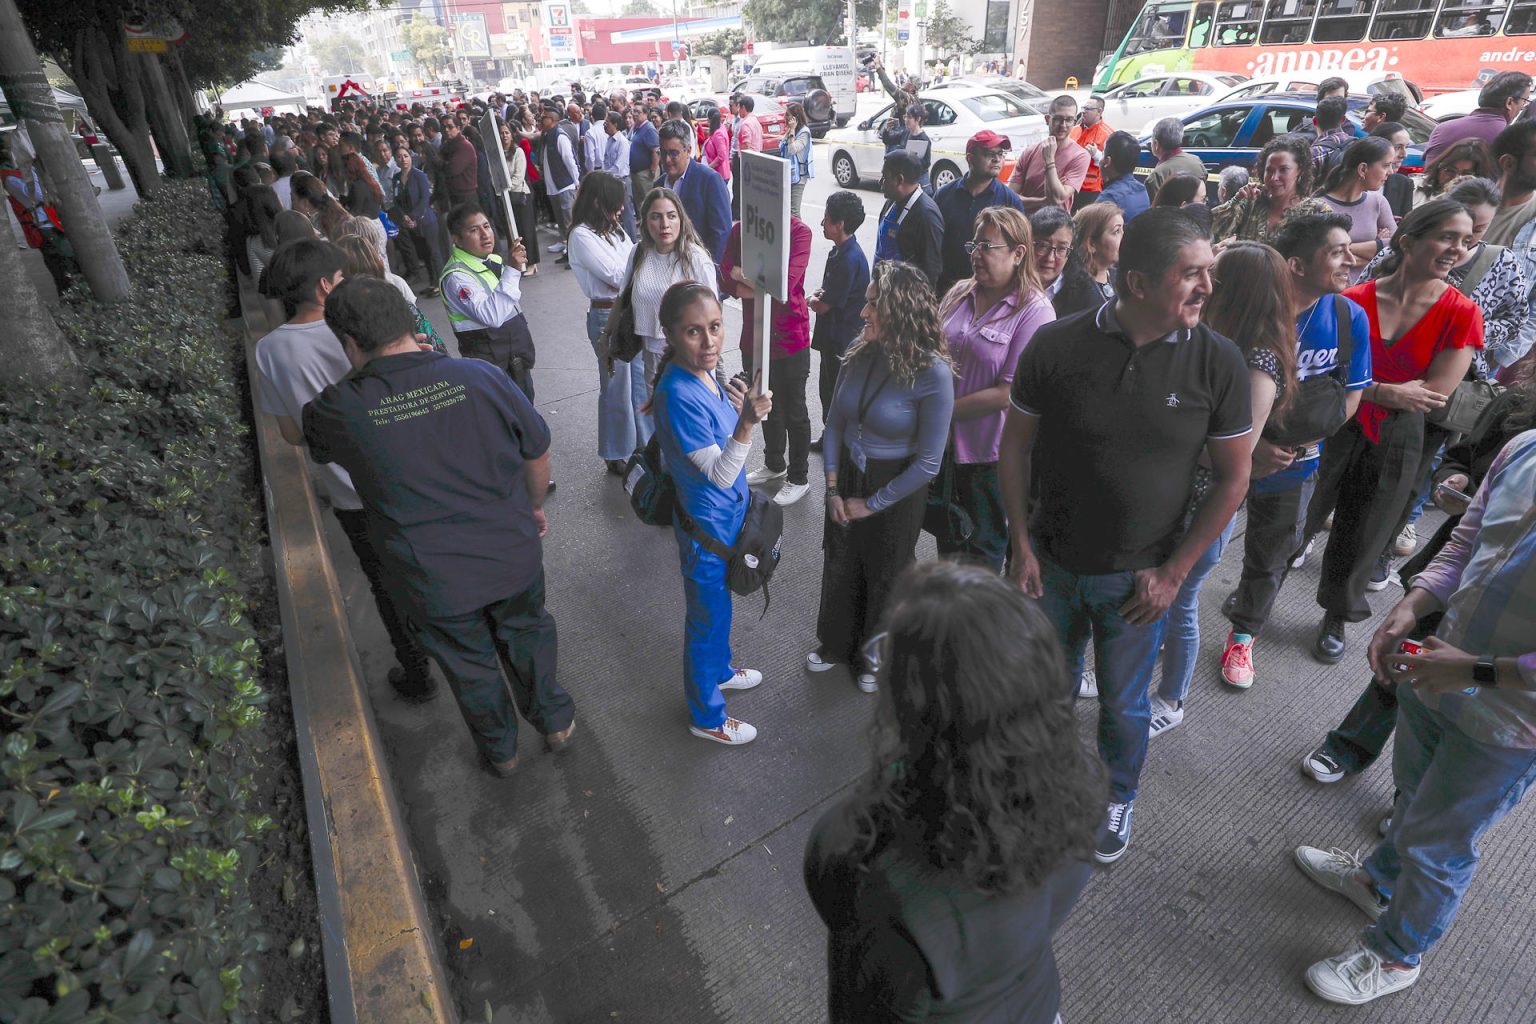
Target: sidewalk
x,y
649,876
115,205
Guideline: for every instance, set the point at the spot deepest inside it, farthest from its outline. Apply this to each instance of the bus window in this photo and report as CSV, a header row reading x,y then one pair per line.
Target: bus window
x,y
1200,28
1162,27
1470,18
1403,19
1237,23
1522,19
1341,21
1287,22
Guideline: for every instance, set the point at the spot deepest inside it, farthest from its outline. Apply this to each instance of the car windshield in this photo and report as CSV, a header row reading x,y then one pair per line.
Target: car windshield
x,y
1419,125
995,106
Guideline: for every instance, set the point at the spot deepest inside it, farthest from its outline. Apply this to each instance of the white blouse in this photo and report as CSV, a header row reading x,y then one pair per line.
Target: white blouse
x,y
657,273
601,262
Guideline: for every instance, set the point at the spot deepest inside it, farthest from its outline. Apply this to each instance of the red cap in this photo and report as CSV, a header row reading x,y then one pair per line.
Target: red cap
x,y
988,139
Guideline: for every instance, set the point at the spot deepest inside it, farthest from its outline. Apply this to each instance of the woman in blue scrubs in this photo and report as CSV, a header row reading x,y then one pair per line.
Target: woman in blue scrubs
x,y
705,433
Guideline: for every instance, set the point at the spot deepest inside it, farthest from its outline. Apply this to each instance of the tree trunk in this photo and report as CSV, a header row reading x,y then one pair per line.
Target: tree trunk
x,y
165,122
181,89
31,99
32,348
110,85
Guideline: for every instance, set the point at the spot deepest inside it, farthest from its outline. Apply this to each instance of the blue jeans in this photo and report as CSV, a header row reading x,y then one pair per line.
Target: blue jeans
x,y
1123,654
620,426
1182,644
1451,789
706,632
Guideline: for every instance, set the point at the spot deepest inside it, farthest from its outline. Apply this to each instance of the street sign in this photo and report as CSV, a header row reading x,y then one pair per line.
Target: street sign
x,y
400,56
559,28
765,243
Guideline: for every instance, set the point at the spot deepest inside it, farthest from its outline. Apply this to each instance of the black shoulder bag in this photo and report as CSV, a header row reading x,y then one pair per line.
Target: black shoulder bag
x,y
1318,409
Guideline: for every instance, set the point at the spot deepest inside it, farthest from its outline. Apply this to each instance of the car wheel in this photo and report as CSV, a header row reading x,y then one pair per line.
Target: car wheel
x,y
943,173
844,171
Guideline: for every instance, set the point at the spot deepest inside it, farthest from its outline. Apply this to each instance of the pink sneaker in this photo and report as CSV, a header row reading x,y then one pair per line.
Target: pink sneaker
x,y
1237,660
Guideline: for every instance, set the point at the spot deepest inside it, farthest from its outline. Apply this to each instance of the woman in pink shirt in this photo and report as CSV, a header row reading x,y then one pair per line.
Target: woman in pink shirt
x,y
717,147
988,320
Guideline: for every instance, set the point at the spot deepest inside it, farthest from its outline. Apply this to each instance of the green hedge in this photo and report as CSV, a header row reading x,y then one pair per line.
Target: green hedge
x,y
129,673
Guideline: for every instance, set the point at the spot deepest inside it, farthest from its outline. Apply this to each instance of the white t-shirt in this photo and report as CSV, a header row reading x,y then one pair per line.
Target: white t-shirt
x,y
296,362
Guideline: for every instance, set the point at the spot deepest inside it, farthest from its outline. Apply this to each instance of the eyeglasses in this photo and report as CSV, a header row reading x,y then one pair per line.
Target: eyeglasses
x,y
1047,249
971,247
1062,118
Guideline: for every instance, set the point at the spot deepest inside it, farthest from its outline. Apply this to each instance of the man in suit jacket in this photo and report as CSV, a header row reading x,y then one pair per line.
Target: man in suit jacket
x,y
705,196
911,226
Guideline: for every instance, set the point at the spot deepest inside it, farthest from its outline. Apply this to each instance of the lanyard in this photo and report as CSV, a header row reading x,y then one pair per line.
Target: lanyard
x,y
866,400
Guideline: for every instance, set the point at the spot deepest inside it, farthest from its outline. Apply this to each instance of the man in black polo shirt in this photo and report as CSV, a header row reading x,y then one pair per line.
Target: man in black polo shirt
x,y
452,464
1110,412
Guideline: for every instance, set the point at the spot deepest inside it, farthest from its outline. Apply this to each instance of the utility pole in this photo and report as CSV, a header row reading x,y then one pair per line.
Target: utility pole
x,y
31,100
852,30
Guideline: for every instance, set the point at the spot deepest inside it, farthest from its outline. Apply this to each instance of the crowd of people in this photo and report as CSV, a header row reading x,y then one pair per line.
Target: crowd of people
x,y
1074,379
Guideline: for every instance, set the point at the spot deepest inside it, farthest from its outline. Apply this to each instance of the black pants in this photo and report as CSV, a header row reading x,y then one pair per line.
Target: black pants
x,y
1276,523
354,523
1363,735
826,381
516,636
788,426
977,491
526,228
519,368
1367,487
736,186
860,561
429,248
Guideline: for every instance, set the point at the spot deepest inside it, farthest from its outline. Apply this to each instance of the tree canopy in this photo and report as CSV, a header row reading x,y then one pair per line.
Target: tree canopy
x,y
726,43
428,42
818,23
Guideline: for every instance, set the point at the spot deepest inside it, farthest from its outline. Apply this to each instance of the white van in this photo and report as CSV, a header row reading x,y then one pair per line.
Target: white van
x,y
834,64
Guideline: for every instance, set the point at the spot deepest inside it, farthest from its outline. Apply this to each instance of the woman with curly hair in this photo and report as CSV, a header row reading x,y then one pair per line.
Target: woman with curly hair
x,y
944,876
1255,213
884,442
1467,157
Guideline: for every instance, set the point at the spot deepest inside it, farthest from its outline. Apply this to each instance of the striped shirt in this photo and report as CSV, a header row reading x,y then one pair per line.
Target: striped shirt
x,y
1485,576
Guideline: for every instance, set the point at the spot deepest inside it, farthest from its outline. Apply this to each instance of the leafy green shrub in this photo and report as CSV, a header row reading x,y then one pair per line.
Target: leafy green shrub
x,y
129,675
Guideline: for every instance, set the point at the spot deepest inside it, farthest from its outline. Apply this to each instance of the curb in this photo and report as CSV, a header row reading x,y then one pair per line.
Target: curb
x,y
381,962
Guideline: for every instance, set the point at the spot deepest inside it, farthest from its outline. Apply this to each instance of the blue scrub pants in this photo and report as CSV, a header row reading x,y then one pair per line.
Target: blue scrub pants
x,y
706,632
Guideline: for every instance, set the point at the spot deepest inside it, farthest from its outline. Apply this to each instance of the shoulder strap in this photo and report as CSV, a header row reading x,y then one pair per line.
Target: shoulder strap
x,y
1344,334
1479,269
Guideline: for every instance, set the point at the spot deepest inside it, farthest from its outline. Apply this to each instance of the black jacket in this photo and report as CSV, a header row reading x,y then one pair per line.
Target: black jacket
x,y
920,238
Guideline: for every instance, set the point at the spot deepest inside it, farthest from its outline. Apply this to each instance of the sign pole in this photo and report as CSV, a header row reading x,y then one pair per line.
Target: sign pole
x,y
764,245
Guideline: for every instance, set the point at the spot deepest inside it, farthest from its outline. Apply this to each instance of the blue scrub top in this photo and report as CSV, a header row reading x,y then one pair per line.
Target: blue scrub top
x,y
690,415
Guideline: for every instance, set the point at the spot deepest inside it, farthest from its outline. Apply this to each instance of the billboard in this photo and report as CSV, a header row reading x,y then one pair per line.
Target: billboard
x,y
559,28
470,36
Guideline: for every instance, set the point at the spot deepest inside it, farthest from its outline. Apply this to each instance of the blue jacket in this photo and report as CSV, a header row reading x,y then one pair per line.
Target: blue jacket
x,y
707,200
1128,193
413,197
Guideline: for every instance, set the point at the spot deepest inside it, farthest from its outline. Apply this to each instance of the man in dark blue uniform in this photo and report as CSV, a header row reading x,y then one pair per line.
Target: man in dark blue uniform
x,y
451,461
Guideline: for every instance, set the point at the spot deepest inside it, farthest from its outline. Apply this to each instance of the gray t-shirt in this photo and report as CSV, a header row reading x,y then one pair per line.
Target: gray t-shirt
x,y
297,362
898,421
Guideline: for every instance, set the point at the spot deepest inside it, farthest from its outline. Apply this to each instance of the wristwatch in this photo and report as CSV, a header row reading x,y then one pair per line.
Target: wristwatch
x,y
1485,672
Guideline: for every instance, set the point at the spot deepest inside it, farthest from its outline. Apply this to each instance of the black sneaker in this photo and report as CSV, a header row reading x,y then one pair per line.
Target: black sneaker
x,y
1380,574
1329,648
817,445
1116,836
413,687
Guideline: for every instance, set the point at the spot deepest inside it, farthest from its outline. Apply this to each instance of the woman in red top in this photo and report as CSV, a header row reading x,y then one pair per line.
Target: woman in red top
x,y
1423,332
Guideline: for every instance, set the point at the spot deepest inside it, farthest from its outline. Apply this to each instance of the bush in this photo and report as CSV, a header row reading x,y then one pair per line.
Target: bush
x,y
129,674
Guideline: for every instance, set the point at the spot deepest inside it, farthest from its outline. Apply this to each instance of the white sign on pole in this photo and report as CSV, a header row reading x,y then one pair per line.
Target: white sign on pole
x,y
764,244
501,174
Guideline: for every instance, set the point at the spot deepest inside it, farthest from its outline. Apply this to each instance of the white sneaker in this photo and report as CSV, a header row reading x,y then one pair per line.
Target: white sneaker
x,y
868,683
1334,870
1407,542
744,679
791,493
1357,976
814,662
1165,716
758,477
1088,685
1299,560
555,247
731,733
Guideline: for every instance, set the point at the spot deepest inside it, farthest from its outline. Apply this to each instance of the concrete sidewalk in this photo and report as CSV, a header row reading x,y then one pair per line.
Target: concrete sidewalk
x,y
648,876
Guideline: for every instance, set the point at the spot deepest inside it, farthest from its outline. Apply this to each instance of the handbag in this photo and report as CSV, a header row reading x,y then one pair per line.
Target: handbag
x,y
623,342
652,493
948,522
390,227
1464,407
1318,410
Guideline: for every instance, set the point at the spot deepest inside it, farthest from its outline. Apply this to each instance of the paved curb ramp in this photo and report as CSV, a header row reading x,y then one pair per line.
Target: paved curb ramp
x,y
381,963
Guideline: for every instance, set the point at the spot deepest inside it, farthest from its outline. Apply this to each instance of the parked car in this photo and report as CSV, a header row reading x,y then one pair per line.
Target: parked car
x,y
1232,133
953,115
767,109
784,89
1135,105
1450,104
1031,96
1368,83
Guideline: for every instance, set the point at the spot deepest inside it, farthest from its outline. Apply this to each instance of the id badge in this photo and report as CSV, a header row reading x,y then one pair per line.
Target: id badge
x,y
856,453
